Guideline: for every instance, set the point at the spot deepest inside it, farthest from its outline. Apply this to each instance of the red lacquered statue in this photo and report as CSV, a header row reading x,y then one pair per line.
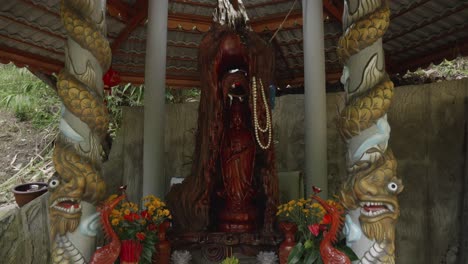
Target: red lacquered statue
x,y
237,164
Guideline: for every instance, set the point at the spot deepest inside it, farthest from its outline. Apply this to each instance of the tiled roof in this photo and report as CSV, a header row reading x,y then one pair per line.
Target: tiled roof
x,y
421,32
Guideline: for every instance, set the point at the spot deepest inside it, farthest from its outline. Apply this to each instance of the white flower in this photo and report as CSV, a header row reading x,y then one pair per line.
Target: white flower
x,y
267,258
181,257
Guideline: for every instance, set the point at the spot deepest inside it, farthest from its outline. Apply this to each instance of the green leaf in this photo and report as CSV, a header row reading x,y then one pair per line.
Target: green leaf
x,y
319,260
296,254
311,257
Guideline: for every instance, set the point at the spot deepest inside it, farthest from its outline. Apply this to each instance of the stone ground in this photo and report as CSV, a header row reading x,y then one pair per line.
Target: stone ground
x,y
21,145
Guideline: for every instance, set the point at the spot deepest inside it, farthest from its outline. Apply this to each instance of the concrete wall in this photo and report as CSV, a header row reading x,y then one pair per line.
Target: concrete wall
x,y
428,139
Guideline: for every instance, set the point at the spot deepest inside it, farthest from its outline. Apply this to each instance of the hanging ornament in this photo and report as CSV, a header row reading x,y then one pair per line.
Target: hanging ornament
x,y
257,128
110,79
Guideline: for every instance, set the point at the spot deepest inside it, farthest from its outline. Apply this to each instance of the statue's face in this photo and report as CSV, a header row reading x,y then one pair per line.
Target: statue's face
x,y
375,192
237,119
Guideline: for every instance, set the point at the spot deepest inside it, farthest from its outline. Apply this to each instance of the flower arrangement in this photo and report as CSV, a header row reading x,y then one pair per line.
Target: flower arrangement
x,y
132,223
312,221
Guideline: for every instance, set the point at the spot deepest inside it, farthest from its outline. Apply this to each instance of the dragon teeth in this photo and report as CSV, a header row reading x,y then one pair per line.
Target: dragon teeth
x,y
371,213
70,210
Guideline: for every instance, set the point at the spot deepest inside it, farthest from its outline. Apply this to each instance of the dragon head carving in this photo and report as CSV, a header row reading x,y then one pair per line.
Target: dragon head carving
x,y
76,180
375,190
65,203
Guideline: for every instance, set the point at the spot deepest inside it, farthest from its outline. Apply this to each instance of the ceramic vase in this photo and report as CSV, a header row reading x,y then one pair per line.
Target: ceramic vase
x,y
163,247
289,230
130,251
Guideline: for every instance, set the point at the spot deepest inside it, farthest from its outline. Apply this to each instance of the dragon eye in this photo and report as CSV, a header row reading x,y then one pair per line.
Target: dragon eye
x,y
393,187
54,183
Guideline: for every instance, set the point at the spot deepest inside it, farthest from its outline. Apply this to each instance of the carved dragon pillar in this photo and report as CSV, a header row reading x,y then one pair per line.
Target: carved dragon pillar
x,y
370,192
77,185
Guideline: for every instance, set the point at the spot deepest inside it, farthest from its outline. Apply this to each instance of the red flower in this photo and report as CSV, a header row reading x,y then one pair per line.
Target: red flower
x,y
141,236
326,219
135,216
314,229
145,214
132,217
128,217
152,227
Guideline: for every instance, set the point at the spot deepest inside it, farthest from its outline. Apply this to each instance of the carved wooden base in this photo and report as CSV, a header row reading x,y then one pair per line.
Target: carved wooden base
x,y
237,222
216,246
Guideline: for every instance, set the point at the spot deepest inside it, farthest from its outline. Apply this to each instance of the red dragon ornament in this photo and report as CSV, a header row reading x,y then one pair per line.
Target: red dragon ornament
x,y
331,255
110,252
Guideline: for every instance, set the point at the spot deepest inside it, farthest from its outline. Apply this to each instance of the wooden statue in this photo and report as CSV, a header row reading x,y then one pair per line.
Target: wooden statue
x,y
235,64
237,164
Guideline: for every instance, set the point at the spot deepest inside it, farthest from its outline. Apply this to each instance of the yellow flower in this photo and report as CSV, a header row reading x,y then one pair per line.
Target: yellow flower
x,y
300,204
292,202
127,211
115,221
149,197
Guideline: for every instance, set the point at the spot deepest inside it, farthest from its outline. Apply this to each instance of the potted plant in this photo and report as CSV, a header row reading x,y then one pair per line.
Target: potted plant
x,y
312,223
137,228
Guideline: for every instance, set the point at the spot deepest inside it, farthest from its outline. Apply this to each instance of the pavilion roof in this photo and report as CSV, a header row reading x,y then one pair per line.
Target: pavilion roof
x,y
421,32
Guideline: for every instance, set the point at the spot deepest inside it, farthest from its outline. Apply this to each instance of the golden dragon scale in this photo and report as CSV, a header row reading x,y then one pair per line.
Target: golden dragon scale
x,y
363,33
83,103
363,111
86,34
73,167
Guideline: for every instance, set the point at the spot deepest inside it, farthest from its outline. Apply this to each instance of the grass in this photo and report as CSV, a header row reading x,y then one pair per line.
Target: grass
x,y
28,97
30,100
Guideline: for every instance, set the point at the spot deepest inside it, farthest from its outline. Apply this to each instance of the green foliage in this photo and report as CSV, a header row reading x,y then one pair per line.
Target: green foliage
x,y
447,70
312,221
230,260
131,95
122,95
28,97
178,96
